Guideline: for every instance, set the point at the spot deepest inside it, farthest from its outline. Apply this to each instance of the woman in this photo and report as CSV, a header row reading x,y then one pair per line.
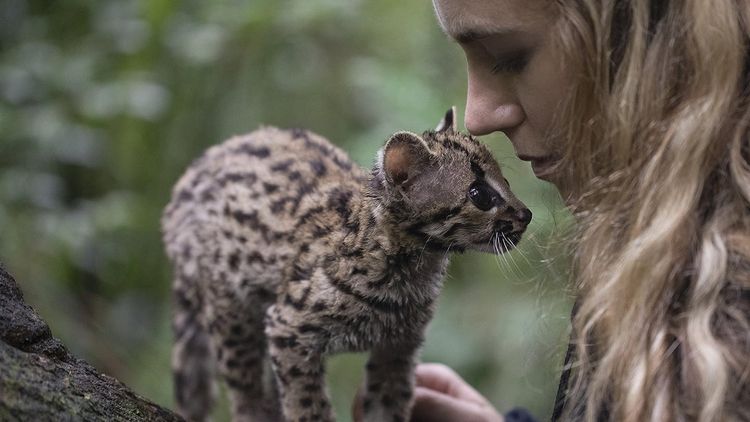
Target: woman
x,y
638,111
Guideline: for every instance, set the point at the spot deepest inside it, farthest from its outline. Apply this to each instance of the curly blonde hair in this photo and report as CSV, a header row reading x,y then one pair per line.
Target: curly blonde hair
x,y
657,122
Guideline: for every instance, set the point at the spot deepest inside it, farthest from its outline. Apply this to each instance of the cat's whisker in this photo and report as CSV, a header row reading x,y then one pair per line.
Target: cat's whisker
x,y
421,254
505,257
510,247
498,251
447,251
520,267
523,255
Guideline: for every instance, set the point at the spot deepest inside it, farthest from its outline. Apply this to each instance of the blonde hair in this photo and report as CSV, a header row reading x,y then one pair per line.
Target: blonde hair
x,y
657,167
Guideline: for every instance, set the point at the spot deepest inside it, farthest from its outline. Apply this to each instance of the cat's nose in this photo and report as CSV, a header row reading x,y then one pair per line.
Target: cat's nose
x,y
524,216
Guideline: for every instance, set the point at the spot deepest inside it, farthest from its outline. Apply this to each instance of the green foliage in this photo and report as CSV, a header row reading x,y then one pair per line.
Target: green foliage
x,y
104,103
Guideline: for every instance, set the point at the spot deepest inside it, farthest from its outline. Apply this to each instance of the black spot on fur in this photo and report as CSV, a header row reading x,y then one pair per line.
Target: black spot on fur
x,y
244,217
246,178
284,342
345,165
356,252
320,231
282,166
445,213
278,205
301,273
260,152
186,252
181,387
254,257
303,190
309,328
270,187
387,400
238,385
297,303
234,261
298,133
265,295
339,201
207,196
304,218
184,195
318,168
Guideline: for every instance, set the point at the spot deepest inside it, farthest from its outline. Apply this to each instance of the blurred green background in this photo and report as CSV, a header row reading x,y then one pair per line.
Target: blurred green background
x,y
104,103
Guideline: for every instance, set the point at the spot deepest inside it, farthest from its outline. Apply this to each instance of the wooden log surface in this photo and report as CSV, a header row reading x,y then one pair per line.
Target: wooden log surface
x,y
41,381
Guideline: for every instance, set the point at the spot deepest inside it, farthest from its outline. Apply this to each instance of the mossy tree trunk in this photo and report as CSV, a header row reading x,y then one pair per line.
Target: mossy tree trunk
x,y
41,381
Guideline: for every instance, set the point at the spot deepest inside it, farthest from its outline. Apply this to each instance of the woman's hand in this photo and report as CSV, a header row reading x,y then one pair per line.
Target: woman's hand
x,y
442,396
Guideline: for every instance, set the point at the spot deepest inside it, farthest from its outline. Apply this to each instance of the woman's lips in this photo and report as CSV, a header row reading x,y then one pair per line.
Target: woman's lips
x,y
541,165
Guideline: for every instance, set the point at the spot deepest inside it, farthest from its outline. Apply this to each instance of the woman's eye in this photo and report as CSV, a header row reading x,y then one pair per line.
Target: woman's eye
x,y
481,196
514,63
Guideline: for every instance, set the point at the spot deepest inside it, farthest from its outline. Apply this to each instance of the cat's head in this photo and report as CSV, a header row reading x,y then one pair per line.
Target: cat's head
x,y
446,189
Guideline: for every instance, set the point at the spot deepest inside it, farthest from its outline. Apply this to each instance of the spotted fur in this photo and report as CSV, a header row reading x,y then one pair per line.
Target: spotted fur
x,y
285,251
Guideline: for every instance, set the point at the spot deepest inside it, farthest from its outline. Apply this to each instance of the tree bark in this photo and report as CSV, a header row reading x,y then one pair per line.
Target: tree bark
x,y
41,381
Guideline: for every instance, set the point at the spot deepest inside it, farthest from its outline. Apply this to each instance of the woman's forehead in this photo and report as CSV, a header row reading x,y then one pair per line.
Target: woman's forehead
x,y
468,19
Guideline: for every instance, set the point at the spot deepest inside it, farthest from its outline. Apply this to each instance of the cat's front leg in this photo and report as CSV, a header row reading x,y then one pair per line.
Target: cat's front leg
x,y
390,383
299,368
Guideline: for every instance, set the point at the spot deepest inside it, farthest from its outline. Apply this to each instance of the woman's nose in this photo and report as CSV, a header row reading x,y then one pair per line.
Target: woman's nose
x,y
491,104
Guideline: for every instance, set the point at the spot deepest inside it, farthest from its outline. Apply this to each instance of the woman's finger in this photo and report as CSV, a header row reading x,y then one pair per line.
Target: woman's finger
x,y
358,410
443,379
433,406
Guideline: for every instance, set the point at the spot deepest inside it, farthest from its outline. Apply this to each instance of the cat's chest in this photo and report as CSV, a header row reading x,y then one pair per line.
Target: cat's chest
x,y
374,313
366,330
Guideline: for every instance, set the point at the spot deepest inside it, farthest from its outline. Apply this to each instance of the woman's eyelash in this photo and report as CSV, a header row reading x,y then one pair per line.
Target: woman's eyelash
x,y
512,64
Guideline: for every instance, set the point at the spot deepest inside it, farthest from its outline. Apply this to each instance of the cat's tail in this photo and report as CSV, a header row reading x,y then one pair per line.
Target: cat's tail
x,y
193,362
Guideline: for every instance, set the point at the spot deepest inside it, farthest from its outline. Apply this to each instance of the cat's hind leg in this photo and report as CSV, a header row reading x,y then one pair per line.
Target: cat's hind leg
x,y
236,327
192,358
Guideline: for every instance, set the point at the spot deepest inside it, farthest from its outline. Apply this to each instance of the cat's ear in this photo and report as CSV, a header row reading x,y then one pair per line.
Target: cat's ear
x,y
449,121
404,156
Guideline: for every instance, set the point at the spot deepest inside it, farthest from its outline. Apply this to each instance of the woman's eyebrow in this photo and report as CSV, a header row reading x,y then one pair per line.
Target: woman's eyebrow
x,y
466,35
469,36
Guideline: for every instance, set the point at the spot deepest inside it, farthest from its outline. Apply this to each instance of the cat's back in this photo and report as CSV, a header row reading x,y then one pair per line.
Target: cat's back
x,y
253,189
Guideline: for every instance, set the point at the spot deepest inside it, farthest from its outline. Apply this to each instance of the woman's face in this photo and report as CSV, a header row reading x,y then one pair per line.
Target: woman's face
x,y
516,77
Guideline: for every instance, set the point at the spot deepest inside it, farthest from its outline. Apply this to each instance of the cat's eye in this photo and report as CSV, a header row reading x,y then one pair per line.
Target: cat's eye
x,y
482,196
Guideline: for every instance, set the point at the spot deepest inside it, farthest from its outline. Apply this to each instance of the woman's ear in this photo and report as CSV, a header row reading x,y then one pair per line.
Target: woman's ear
x,y
449,121
404,156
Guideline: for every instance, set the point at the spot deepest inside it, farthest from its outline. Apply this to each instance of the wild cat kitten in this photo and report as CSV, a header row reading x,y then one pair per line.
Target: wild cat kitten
x,y
285,251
